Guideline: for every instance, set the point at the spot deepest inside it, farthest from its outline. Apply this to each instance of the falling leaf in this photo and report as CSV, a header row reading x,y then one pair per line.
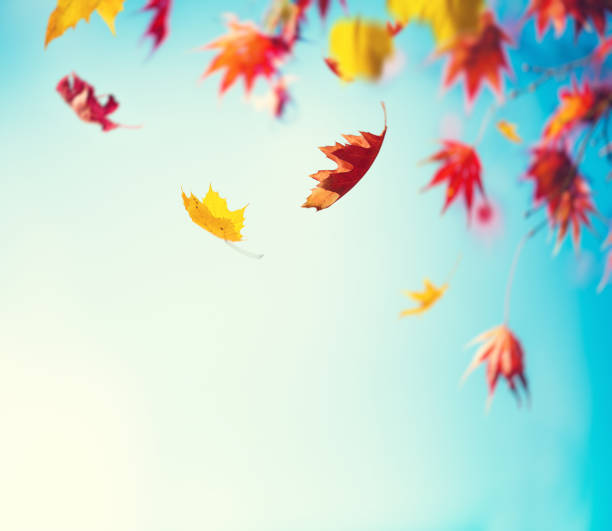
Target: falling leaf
x,y
245,51
158,28
359,48
503,354
566,194
68,13
213,215
578,106
478,57
556,12
425,299
81,96
449,19
509,131
353,159
461,168
325,4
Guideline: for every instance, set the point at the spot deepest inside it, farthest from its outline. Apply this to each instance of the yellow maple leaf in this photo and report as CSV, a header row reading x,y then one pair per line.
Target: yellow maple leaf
x,y
359,48
448,18
213,215
68,13
509,131
426,299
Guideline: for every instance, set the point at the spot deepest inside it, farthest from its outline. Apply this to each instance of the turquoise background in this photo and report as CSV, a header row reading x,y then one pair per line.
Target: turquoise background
x,y
153,379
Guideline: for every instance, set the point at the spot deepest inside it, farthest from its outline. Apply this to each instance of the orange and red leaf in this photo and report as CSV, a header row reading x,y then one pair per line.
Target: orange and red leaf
x,y
478,57
504,356
246,52
354,159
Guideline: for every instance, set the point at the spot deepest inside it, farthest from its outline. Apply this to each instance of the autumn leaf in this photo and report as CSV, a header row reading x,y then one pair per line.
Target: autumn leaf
x,y
461,169
556,12
158,28
354,159
68,13
449,19
359,49
548,12
565,193
503,354
425,299
325,4
245,51
478,58
213,215
573,208
577,106
509,131
81,96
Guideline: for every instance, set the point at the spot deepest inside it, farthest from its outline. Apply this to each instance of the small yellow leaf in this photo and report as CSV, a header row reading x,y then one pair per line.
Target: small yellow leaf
x,y
426,298
68,13
213,215
360,48
509,131
448,18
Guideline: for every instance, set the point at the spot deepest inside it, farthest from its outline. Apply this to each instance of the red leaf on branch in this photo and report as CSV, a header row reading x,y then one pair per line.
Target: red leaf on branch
x,y
353,159
81,96
462,170
578,106
566,194
556,13
503,354
245,51
478,57
573,207
158,28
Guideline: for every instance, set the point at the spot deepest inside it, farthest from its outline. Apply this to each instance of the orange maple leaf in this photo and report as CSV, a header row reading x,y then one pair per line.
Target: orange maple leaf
x,y
479,57
246,51
578,106
503,353
353,159
461,168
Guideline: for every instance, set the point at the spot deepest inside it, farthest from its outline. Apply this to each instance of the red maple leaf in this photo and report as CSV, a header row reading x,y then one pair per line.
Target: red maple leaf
x,y
548,12
323,5
353,159
578,106
566,194
281,97
573,207
479,57
158,28
462,170
556,13
81,96
246,51
503,353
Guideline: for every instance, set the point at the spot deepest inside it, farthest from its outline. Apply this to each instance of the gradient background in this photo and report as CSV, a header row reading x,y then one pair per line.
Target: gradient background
x,y
153,379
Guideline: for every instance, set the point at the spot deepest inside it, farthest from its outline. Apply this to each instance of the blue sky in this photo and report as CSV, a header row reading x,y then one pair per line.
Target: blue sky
x,y
153,379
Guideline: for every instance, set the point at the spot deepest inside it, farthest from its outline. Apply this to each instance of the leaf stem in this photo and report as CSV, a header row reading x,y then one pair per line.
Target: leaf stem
x,y
243,252
515,259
